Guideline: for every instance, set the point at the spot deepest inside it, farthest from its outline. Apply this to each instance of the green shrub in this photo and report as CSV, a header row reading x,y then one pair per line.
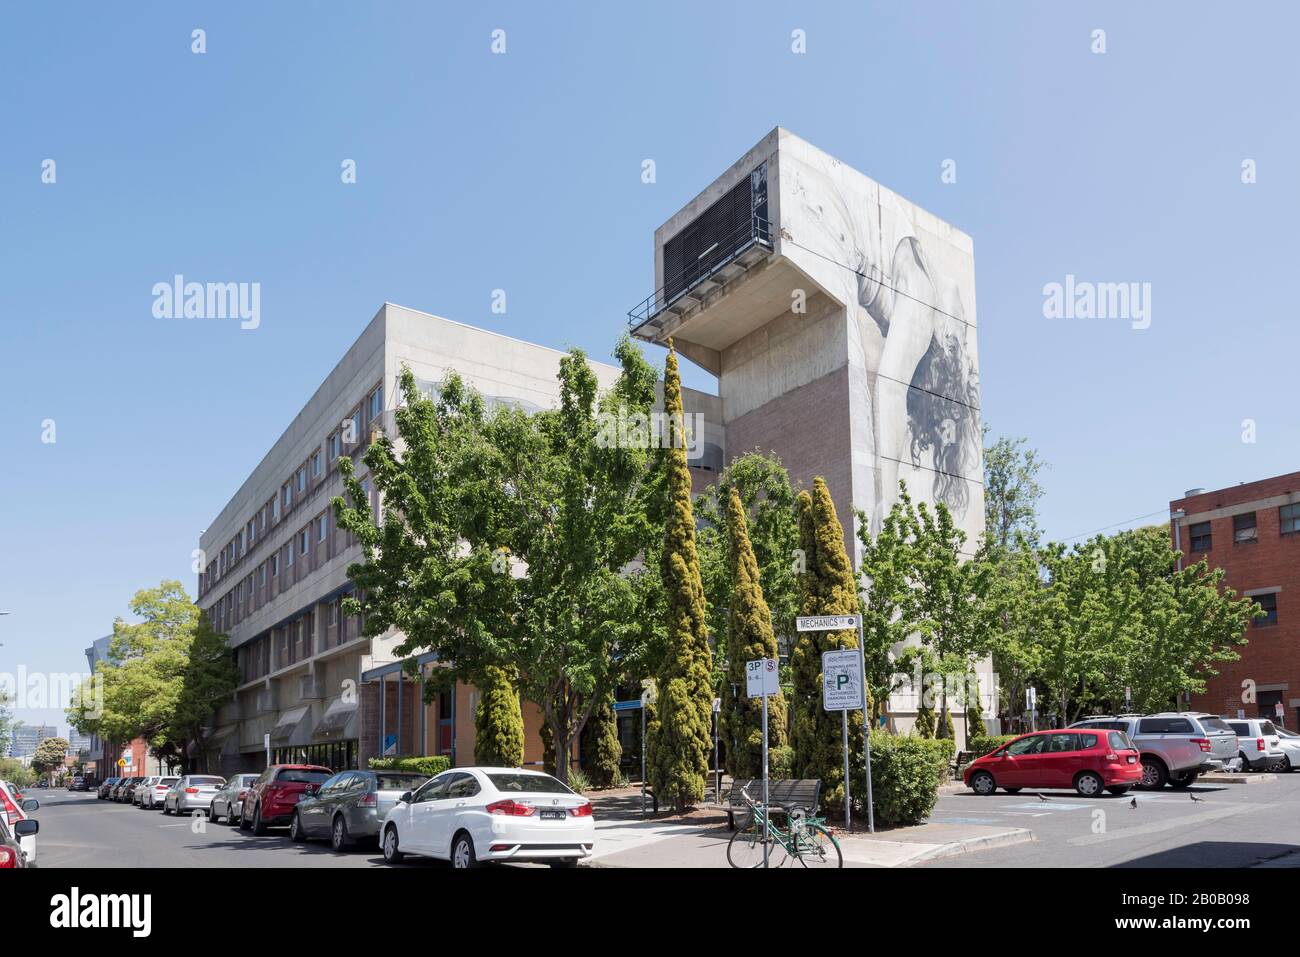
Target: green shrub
x,y
780,762
905,775
924,725
975,723
603,749
579,781
986,744
945,730
429,764
498,722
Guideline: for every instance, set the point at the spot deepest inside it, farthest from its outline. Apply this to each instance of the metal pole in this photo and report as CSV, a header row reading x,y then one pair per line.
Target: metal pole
x,y
844,720
643,758
765,841
717,771
866,729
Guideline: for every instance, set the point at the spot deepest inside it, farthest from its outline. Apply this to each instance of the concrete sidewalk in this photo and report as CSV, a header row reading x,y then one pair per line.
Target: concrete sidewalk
x,y
625,839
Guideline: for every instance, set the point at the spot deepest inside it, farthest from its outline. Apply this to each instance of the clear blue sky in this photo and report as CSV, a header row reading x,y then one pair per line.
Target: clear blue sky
x,y
522,172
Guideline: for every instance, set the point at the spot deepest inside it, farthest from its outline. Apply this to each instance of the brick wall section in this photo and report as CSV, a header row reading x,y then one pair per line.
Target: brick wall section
x,y
1272,561
809,430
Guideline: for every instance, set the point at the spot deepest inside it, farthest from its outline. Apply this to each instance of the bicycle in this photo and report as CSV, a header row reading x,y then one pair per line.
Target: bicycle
x,y
805,839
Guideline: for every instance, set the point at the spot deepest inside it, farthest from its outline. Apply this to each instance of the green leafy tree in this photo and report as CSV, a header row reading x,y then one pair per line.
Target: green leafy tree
x,y
50,755
1011,493
498,721
829,588
680,746
749,637
504,535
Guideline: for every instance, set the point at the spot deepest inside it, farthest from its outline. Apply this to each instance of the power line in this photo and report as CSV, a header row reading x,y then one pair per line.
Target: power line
x,y
1115,525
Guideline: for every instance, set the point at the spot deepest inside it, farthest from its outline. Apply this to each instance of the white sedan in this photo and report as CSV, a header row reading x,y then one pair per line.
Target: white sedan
x,y
473,815
1289,742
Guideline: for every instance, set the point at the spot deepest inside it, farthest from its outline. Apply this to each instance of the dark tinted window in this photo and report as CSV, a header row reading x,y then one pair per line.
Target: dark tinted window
x,y
1164,726
465,785
1200,537
524,783
434,790
202,780
300,776
1119,741
1029,745
388,781
1087,741
1057,743
1240,728
1266,727
1214,724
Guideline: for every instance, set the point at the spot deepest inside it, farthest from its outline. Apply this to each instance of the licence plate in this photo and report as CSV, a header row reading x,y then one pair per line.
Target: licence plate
x,y
553,815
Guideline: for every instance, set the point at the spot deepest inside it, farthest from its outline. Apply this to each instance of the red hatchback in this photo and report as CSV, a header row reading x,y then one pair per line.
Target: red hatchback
x,y
1088,761
270,800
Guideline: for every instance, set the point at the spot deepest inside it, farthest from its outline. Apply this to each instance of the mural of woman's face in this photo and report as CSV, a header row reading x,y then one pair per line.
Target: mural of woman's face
x,y
948,431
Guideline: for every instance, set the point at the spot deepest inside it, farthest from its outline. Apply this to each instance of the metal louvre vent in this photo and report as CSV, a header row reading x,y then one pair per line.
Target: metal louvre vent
x,y
715,235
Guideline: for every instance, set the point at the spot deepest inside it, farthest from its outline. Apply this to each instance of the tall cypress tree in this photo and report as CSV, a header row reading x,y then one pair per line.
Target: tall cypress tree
x,y
604,751
498,722
829,588
680,746
749,637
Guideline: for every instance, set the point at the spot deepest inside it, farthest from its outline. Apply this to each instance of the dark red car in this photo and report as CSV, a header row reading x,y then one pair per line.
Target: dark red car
x,y
1086,760
270,800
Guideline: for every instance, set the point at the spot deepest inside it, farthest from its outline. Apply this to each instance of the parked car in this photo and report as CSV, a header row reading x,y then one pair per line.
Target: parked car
x,y
14,809
1289,742
79,783
137,791
151,796
473,815
106,788
1176,747
349,806
12,851
1259,744
193,792
271,799
122,793
228,801
1088,761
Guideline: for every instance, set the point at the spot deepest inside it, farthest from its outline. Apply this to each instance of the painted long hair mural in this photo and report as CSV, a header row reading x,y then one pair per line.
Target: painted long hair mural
x,y
915,342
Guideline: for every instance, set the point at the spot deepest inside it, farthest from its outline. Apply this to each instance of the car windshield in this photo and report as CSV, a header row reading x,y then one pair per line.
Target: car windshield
x,y
399,782
1266,727
167,782
525,783
1215,724
301,776
207,782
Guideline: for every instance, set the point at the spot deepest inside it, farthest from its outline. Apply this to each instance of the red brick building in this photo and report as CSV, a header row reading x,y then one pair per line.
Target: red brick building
x,y
1252,531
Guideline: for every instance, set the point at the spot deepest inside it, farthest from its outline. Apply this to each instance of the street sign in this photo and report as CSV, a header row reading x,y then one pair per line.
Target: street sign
x,y
121,763
1031,697
1278,709
825,622
761,678
1241,714
842,680
717,705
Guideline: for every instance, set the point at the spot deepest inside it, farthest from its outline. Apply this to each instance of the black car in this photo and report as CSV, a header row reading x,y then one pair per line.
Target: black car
x,y
106,788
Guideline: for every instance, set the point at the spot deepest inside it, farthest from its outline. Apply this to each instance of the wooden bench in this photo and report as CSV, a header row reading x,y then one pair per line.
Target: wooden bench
x,y
963,758
802,793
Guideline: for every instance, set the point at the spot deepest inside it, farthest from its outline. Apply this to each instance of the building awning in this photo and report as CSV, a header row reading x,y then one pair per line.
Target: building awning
x,y
224,740
294,726
396,667
339,718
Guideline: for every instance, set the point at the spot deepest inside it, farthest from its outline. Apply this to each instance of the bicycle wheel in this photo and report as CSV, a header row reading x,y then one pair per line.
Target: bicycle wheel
x,y
745,849
814,846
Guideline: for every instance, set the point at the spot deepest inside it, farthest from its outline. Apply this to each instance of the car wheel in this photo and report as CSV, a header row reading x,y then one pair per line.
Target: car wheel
x,y
212,813
391,853
295,829
1089,784
243,821
1117,791
235,819
166,810
1286,767
259,826
339,839
462,852
1184,780
1154,775
982,783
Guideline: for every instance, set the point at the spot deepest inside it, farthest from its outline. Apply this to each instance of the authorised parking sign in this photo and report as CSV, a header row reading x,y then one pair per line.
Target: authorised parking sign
x,y
842,680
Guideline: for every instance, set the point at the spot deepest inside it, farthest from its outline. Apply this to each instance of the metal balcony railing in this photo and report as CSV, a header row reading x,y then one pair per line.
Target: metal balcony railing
x,y
756,232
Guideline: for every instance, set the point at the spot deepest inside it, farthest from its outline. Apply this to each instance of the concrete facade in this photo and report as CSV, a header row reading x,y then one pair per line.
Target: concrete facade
x,y
1252,532
842,334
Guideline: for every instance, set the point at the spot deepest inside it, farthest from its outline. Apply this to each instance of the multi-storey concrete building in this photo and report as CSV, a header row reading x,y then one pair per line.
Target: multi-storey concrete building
x,y
311,686
26,738
839,320
1252,532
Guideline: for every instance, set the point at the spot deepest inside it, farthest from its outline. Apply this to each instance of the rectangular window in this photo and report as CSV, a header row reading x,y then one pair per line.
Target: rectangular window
x,y
302,542
275,509
1200,537
376,402
1243,528
286,495
1269,604
1288,517
334,446
288,556
321,524
315,464
302,479
275,565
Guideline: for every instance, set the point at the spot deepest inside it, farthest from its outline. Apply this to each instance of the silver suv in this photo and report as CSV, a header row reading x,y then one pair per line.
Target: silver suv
x,y
1176,746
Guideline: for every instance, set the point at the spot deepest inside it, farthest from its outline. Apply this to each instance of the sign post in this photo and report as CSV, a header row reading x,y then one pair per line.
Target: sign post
x,y
1031,699
717,771
761,680
844,688
648,696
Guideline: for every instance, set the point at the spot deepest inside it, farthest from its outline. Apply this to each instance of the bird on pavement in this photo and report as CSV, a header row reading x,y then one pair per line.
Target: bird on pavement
x,y
1133,803
1040,797
1194,798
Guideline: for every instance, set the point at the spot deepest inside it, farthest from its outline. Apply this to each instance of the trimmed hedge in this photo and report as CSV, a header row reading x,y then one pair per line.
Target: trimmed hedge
x,y
905,775
430,764
987,744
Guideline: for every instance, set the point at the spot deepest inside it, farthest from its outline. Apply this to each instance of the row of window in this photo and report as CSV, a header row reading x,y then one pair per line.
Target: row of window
x,y
295,641
1245,528
346,439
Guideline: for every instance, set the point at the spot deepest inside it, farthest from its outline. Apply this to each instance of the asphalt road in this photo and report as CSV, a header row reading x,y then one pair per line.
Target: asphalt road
x,y
1231,825
77,830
